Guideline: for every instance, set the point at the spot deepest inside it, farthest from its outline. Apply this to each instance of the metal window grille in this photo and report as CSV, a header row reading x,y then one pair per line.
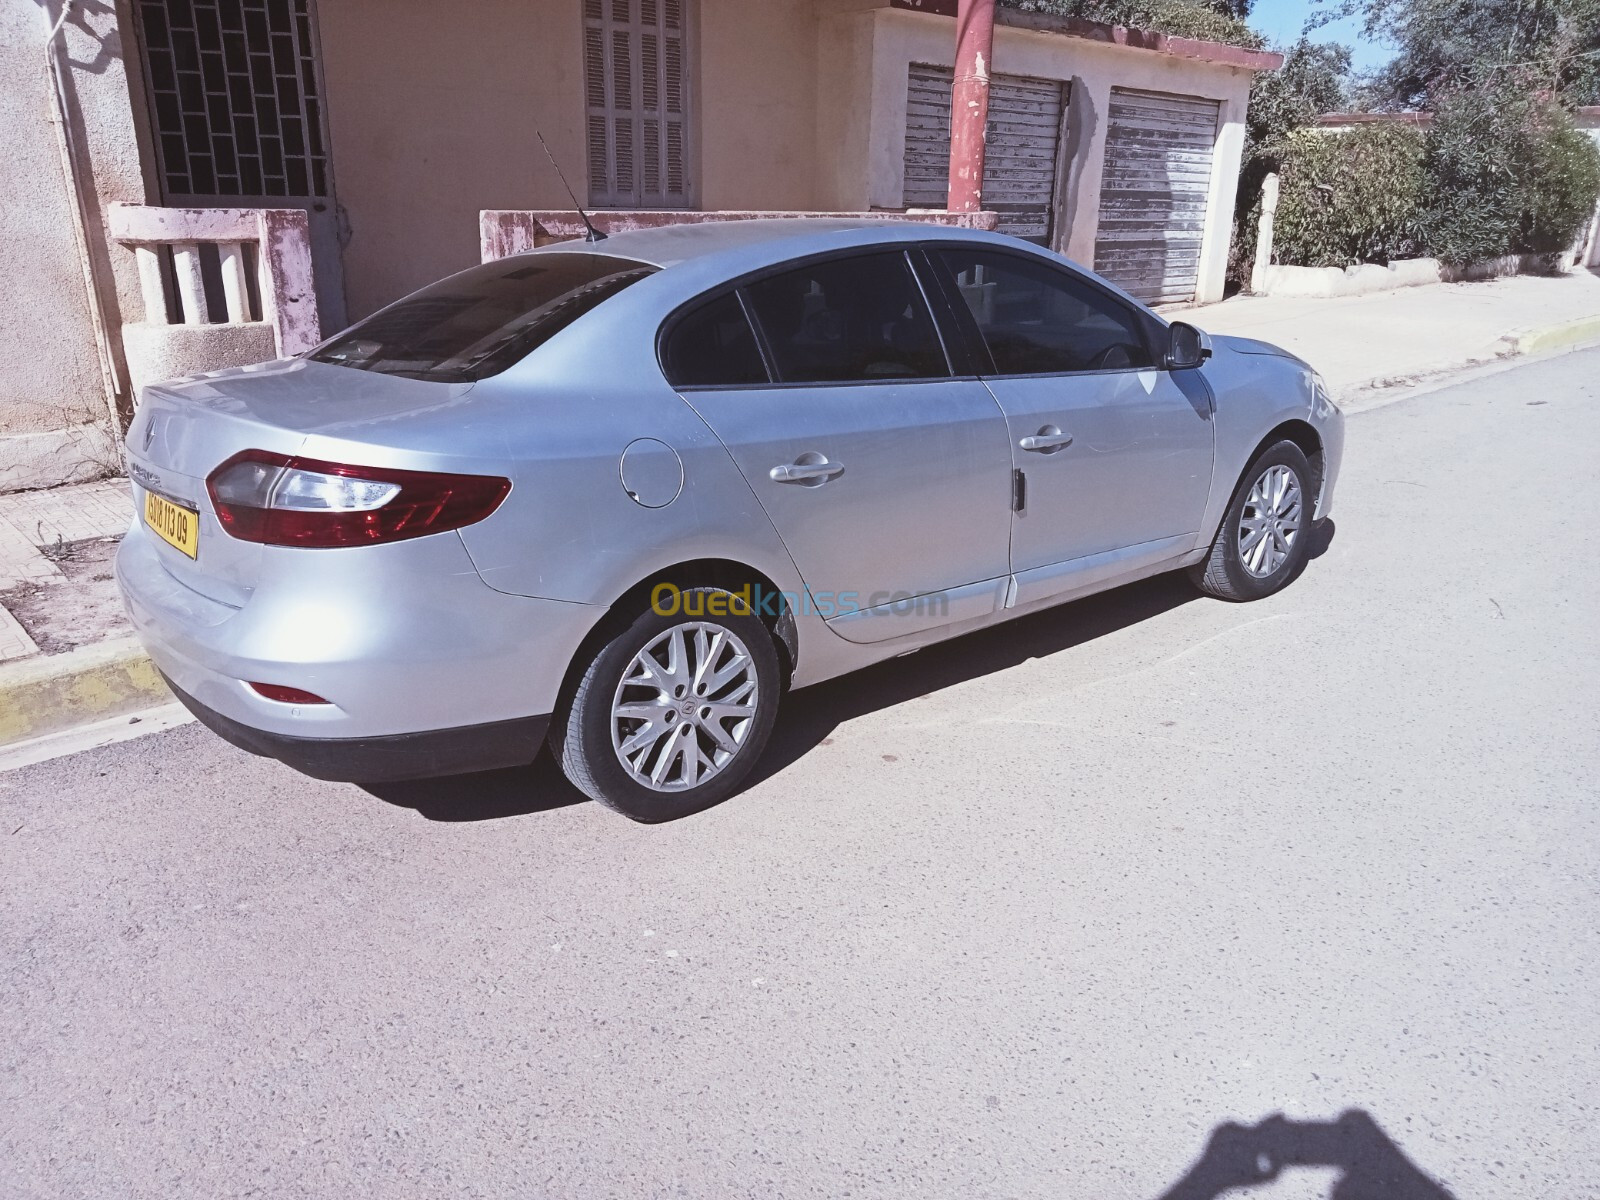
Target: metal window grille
x,y
634,65
235,97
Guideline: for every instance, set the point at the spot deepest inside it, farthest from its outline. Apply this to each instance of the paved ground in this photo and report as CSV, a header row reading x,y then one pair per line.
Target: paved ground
x,y
43,532
1029,916
1407,334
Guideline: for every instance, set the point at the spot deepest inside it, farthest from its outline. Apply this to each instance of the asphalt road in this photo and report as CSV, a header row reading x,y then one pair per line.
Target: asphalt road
x,y
1031,915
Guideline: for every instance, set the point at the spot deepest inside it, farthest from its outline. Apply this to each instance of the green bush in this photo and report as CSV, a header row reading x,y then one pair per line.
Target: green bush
x,y
1562,180
1352,197
1509,173
1312,81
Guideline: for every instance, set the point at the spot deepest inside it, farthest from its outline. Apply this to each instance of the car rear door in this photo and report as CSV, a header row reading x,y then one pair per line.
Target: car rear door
x,y
1114,453
887,478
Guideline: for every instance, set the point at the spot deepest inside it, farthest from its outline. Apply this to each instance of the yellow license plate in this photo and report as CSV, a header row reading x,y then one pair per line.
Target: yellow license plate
x,y
172,523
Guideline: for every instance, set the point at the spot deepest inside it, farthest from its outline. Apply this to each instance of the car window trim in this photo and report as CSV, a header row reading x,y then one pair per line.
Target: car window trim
x,y
794,384
963,314
965,348
769,360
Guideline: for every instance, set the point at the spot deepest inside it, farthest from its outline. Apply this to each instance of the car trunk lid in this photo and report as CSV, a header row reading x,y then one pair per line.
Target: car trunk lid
x,y
186,428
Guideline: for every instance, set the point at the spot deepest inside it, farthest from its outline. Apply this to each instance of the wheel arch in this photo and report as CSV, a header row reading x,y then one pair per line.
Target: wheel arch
x,y
1289,428
1302,434
726,573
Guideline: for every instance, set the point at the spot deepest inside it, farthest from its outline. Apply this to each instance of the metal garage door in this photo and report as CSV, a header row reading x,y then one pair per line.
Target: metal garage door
x,y
1024,136
1153,193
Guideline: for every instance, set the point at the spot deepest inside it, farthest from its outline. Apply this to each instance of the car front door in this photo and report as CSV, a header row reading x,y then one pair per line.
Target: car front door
x,y
1114,453
888,480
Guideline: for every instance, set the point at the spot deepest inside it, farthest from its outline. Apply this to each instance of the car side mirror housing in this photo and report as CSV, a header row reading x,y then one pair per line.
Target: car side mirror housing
x,y
1186,346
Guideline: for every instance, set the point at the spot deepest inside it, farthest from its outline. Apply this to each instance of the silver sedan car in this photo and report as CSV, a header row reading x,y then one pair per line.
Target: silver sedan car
x,y
620,496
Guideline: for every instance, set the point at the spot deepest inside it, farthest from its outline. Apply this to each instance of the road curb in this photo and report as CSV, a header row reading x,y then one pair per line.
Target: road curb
x,y
1387,389
1557,337
55,692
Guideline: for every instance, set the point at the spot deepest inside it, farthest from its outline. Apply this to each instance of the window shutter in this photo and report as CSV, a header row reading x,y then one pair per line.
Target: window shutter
x,y
634,91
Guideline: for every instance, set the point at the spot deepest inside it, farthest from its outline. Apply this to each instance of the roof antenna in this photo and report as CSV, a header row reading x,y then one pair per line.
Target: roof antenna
x,y
594,235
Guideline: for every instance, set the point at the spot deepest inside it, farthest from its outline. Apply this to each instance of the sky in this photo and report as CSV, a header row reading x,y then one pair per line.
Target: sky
x,y
1282,21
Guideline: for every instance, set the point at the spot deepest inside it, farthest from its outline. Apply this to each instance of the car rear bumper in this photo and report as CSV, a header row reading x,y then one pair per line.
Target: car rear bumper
x,y
426,670
383,759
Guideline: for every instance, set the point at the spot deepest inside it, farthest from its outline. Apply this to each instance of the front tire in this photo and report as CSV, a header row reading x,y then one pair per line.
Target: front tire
x,y
671,714
1264,537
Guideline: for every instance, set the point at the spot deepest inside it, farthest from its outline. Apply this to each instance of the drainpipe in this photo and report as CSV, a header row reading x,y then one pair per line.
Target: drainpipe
x,y
969,103
109,376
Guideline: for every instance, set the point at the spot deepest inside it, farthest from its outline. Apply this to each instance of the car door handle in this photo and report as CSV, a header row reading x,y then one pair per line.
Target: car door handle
x,y
812,473
1047,439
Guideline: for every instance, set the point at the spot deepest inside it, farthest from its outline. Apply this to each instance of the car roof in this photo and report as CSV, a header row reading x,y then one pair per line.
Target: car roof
x,y
697,255
670,245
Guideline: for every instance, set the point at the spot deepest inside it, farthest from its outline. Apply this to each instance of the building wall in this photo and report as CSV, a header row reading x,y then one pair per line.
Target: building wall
x,y
432,113
54,406
433,108
757,104
1091,69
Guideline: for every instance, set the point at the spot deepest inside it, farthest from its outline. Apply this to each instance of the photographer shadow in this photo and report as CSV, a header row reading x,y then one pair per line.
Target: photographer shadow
x,y
1373,1167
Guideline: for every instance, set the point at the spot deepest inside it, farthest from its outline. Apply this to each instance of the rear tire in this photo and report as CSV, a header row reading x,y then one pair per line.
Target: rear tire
x,y
671,714
1265,534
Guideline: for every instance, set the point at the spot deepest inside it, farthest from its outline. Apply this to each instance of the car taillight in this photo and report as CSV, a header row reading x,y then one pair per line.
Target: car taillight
x,y
284,501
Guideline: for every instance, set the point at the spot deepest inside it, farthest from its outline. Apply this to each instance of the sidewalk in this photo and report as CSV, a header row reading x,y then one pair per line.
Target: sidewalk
x,y
56,548
1393,339
68,658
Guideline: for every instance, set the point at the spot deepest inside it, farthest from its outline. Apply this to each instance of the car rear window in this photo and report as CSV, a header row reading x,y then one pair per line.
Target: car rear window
x,y
481,321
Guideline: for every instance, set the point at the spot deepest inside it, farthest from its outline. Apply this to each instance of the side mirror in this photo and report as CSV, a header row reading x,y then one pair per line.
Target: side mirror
x,y
1186,347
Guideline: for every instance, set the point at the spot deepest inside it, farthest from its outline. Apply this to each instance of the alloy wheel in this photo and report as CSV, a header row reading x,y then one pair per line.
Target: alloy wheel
x,y
1270,522
684,706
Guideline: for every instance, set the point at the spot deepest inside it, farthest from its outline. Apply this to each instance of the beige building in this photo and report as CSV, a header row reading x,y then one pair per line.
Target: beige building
x,y
392,126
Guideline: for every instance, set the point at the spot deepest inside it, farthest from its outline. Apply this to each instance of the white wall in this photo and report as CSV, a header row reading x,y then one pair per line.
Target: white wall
x,y
1091,69
1589,255
51,383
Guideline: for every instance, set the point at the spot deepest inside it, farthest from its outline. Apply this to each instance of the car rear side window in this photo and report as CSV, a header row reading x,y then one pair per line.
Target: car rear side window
x,y
713,346
858,319
1038,320
477,323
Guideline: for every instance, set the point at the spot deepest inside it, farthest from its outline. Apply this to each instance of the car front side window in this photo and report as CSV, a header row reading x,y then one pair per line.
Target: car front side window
x,y
1039,320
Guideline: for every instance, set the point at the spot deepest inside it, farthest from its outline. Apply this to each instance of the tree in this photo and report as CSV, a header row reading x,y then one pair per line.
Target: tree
x,y
1313,80
1210,20
1509,174
1448,45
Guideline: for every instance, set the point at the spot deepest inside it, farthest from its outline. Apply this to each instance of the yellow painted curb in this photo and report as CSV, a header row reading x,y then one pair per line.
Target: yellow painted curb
x,y
1558,337
54,692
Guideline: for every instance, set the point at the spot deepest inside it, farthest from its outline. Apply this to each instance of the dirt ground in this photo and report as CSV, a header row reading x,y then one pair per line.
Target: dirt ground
x,y
77,609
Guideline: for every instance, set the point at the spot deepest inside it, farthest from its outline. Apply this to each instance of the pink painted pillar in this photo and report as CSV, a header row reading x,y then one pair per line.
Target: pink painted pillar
x,y
290,294
969,103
